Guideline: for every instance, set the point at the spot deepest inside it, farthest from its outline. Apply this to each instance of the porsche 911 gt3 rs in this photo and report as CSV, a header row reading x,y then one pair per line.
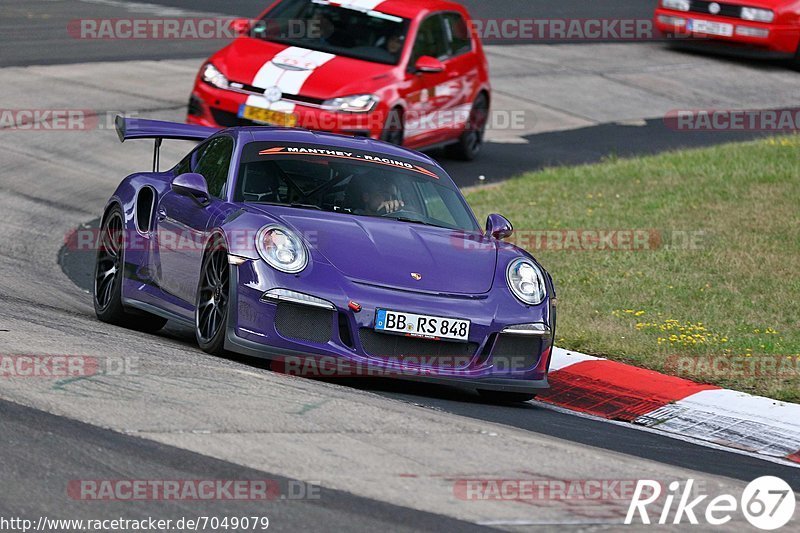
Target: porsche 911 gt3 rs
x,y
286,243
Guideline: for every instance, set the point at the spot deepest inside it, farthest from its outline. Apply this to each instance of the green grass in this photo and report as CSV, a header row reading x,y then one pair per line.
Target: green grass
x,y
736,293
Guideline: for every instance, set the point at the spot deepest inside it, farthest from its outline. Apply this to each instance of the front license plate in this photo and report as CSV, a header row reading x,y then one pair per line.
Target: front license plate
x,y
710,28
267,116
431,327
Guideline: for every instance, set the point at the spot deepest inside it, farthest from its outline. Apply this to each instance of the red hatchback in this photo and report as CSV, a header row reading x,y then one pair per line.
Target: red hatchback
x,y
770,28
411,72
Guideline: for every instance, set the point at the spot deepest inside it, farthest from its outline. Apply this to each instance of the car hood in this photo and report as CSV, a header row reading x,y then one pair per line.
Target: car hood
x,y
246,60
385,252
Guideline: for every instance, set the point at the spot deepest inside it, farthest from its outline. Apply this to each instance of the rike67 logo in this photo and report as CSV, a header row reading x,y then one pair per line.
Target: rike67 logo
x,y
767,503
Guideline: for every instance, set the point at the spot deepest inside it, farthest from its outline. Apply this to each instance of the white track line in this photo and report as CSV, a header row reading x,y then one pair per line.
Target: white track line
x,y
675,436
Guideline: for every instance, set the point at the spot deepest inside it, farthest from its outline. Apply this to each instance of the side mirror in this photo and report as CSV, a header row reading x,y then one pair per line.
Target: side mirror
x,y
193,185
498,227
241,26
428,64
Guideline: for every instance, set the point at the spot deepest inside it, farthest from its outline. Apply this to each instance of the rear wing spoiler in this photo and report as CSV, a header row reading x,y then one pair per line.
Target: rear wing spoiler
x,y
140,128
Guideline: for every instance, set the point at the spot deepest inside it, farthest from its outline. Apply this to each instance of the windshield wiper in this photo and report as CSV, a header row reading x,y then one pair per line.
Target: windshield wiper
x,y
412,220
296,205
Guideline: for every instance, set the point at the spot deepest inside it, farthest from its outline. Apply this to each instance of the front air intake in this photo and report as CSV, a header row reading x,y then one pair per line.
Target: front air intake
x,y
304,323
514,353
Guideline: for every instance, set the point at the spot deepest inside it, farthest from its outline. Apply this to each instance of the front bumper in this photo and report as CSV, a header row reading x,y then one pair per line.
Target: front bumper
x,y
210,106
485,363
765,39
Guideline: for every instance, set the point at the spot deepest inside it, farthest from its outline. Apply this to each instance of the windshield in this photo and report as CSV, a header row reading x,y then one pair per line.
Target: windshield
x,y
354,183
342,30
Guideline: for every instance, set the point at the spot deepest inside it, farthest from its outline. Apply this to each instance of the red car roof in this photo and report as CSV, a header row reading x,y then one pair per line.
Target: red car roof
x,y
411,8
407,8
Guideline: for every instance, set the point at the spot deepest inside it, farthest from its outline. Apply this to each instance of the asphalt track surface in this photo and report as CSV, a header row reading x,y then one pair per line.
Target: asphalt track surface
x,y
61,447
88,430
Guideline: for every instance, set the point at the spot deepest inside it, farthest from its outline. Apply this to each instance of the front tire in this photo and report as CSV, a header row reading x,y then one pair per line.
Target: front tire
x,y
502,397
213,294
471,141
795,61
108,273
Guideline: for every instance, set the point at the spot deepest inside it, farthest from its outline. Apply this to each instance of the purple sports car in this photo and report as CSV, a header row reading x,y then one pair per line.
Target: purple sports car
x,y
295,245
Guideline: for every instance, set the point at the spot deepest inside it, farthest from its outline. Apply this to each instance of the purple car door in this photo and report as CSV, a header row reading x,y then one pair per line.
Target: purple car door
x,y
183,219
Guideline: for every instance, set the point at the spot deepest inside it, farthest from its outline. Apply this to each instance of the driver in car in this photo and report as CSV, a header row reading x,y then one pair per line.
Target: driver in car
x,y
380,197
394,44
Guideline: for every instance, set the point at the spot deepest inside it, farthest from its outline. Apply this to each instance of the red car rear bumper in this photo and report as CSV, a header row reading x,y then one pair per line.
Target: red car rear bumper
x,y
774,38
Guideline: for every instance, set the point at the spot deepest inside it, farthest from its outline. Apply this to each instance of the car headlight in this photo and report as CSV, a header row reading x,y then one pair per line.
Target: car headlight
x,y
677,5
759,15
281,249
213,76
359,103
526,281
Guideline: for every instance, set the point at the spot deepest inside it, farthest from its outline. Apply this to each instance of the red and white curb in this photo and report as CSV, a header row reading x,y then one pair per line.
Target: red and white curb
x,y
617,391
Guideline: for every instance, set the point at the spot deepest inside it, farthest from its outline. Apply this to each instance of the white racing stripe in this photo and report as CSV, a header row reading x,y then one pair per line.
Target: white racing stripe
x,y
361,5
287,80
